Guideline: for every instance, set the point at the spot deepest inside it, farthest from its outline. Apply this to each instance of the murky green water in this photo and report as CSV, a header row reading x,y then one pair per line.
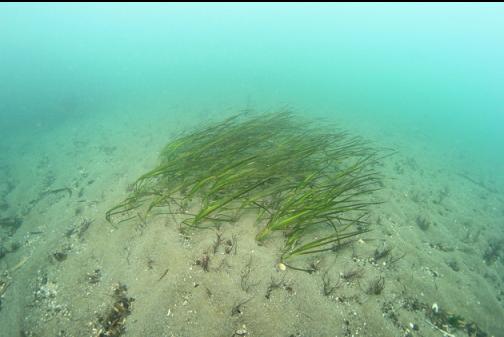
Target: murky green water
x,y
82,83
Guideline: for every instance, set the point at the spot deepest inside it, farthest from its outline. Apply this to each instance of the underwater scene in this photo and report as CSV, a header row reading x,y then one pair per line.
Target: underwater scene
x,y
251,170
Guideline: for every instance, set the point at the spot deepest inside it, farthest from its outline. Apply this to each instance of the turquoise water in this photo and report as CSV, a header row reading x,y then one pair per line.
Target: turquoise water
x,y
78,81
436,68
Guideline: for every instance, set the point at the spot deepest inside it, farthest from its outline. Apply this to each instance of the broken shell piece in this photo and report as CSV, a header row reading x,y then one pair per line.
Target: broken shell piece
x,y
281,266
435,308
241,332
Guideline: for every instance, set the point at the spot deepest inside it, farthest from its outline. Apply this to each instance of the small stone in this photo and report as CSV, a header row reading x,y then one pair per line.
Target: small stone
x,y
281,267
60,256
422,223
413,326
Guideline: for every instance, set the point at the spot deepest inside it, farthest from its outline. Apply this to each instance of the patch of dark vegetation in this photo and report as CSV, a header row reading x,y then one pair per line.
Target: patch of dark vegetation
x,y
347,331
442,194
245,277
348,299
389,312
328,286
204,262
352,274
10,224
237,308
500,296
7,185
314,266
108,150
231,245
150,263
441,246
303,180
79,229
444,321
274,284
112,323
381,252
61,254
94,277
8,247
392,260
494,251
412,303
4,206
376,286
14,246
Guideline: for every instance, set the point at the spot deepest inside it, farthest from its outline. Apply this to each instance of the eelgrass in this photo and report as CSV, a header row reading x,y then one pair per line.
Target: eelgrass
x,y
309,182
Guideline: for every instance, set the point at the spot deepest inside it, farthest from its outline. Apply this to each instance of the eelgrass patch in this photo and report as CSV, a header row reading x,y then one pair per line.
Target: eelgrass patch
x,y
305,180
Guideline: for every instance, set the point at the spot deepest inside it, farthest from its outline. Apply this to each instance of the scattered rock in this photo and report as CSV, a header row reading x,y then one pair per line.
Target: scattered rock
x,y
454,265
60,256
422,223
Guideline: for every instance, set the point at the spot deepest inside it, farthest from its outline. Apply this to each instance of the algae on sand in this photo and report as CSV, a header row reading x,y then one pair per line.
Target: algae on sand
x,y
309,182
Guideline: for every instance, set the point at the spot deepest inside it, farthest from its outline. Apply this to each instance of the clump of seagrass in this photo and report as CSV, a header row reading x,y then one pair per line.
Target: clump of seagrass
x,y
310,182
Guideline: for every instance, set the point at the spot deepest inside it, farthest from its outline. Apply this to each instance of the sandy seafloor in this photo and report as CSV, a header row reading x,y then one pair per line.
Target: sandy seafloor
x,y
64,261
